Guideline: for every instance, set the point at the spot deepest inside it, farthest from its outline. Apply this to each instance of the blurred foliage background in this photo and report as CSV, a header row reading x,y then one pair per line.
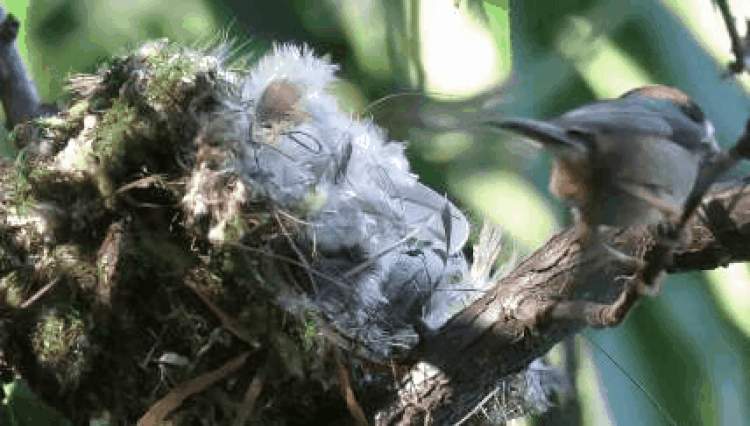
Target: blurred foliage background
x,y
423,69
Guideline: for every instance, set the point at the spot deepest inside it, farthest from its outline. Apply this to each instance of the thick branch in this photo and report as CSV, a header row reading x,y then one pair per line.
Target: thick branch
x,y
511,325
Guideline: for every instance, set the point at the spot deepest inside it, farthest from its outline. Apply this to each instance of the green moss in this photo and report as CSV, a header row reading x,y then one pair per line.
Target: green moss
x,y
51,122
234,229
113,130
57,128
102,267
78,110
30,181
6,254
171,67
310,334
59,341
127,123
40,175
22,167
14,286
117,72
228,265
13,138
22,185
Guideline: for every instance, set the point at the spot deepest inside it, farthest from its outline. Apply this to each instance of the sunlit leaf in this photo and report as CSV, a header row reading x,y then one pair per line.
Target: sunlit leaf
x,y
23,408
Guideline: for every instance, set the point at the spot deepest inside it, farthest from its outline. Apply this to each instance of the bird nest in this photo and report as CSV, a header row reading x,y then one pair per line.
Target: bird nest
x,y
186,222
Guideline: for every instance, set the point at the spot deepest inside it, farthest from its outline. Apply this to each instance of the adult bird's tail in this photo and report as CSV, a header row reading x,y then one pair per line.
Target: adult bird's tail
x,y
553,137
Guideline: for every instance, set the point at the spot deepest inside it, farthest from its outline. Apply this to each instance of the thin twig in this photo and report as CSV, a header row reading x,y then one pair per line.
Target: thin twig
x,y
40,293
739,46
251,395
171,401
270,255
301,256
156,180
345,386
226,321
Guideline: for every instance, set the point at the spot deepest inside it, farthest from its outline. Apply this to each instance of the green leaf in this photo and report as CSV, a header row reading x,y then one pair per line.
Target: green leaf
x,y
498,20
22,408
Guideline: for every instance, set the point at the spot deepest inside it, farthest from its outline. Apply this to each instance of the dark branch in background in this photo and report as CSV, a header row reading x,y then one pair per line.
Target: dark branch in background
x,y
17,91
568,411
740,46
558,291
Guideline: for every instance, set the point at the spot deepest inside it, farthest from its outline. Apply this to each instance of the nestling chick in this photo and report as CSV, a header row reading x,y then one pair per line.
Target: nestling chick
x,y
625,161
278,111
383,251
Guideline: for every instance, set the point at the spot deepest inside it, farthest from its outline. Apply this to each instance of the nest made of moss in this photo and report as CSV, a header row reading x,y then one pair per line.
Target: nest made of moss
x,y
117,202
187,233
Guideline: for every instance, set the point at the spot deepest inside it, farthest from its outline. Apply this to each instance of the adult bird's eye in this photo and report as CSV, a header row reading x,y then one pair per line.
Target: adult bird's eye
x,y
581,134
693,112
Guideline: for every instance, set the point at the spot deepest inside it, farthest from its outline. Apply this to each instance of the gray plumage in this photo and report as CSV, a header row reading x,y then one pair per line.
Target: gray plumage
x,y
627,160
390,246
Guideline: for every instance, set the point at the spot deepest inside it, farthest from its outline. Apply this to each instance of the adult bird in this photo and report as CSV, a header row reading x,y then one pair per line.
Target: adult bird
x,y
624,161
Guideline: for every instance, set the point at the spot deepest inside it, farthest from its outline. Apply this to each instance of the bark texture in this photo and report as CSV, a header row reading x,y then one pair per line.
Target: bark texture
x,y
516,321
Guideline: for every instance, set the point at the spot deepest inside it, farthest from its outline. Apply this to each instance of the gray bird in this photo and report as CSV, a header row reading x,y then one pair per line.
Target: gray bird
x,y
625,161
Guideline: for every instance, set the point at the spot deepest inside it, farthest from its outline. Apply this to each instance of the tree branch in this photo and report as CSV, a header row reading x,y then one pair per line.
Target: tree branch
x,y
568,413
507,328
